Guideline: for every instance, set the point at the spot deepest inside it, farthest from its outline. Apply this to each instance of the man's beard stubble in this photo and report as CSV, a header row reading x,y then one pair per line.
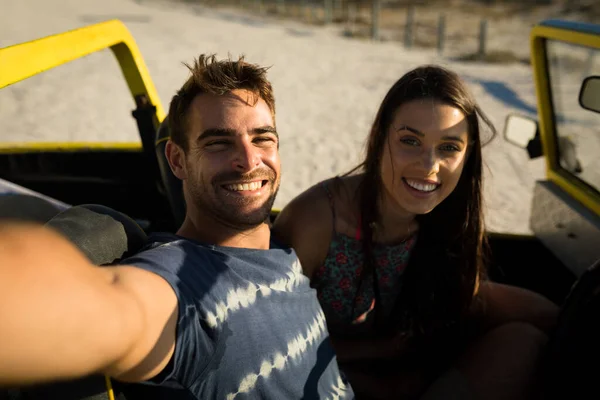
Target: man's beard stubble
x,y
230,212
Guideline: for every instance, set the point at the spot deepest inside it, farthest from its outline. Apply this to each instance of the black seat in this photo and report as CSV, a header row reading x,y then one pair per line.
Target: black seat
x,y
172,184
571,364
104,235
88,388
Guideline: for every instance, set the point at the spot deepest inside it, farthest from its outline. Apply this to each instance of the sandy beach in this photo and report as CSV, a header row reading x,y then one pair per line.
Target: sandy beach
x,y
327,88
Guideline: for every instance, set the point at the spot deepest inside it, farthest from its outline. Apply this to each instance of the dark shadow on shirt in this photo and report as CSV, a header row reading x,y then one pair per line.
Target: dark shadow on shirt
x,y
325,355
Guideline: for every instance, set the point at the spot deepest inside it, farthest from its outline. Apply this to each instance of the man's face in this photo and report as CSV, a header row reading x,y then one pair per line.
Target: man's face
x,y
231,170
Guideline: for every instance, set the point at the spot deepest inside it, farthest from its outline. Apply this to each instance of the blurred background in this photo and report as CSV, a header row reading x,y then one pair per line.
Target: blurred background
x,y
331,63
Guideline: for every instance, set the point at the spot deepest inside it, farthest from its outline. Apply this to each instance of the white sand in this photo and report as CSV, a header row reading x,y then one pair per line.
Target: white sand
x,y
327,88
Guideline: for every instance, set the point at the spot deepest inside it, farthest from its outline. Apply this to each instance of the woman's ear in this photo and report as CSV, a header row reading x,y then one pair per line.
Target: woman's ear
x,y
176,158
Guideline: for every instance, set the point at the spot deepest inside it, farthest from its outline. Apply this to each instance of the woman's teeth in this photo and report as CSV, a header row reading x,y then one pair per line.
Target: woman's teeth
x,y
423,187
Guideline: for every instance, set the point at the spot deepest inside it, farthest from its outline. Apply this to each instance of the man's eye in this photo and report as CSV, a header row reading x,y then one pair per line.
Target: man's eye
x,y
217,143
264,140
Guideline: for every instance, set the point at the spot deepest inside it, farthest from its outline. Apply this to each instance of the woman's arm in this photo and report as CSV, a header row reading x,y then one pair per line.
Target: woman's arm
x,y
505,303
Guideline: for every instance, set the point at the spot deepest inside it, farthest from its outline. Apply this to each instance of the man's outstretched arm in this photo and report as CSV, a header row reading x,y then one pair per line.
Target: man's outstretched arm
x,y
61,317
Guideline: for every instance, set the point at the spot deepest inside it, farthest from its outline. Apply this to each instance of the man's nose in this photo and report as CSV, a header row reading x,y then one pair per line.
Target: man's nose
x,y
246,158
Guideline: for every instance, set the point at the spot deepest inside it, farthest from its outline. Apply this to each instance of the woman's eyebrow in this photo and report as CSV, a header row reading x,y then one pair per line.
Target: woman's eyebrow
x,y
419,133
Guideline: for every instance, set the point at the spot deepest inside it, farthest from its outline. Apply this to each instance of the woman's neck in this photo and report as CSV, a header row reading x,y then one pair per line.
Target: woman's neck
x,y
393,222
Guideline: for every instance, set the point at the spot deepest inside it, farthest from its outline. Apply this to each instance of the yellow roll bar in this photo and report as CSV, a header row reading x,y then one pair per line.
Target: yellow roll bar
x,y
27,59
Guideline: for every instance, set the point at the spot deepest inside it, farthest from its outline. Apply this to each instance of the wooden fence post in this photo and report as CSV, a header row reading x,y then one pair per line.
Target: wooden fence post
x,y
303,10
314,14
483,28
352,13
375,19
441,33
408,30
328,11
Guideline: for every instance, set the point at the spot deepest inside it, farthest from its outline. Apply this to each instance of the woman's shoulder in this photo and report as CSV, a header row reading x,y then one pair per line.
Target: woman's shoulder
x,y
337,196
312,201
345,198
306,216
308,221
304,224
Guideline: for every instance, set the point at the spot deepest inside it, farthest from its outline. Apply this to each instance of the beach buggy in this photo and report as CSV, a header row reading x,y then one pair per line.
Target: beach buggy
x,y
133,184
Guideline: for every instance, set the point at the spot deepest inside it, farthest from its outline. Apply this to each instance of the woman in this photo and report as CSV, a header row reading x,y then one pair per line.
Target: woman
x,y
396,251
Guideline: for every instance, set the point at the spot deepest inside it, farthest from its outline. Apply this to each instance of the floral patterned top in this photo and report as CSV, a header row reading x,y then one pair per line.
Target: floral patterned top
x,y
336,281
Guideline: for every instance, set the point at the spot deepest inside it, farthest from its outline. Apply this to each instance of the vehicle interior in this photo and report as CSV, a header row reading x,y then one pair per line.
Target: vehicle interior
x,y
134,186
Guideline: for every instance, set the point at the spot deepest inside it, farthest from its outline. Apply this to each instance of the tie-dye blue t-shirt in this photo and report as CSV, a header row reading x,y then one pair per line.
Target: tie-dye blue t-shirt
x,y
249,324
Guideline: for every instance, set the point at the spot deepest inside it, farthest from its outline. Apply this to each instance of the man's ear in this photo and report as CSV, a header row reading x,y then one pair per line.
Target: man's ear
x,y
176,158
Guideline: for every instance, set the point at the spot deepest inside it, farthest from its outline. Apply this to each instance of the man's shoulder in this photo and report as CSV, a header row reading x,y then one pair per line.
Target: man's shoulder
x,y
170,250
165,253
164,243
165,240
157,239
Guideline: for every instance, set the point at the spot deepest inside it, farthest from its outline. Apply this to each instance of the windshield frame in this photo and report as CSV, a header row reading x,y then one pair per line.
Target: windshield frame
x,y
586,35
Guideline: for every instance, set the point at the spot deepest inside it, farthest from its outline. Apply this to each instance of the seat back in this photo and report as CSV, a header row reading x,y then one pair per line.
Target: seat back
x,y
571,365
172,184
103,234
88,388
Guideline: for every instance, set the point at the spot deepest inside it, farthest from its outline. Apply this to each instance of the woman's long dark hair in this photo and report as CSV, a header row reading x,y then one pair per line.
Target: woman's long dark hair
x,y
448,259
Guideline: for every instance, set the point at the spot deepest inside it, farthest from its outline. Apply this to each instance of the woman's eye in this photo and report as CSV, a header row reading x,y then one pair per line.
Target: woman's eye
x,y
450,148
410,141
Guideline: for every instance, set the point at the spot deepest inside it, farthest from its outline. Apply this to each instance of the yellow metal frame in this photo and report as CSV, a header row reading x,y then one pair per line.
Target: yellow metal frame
x,y
539,35
27,59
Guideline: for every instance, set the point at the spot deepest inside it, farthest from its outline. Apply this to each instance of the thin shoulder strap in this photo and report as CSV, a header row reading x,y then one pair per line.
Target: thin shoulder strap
x,y
358,235
325,186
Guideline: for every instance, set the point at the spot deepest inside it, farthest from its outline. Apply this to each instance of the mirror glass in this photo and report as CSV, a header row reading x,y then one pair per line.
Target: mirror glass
x,y
519,130
589,96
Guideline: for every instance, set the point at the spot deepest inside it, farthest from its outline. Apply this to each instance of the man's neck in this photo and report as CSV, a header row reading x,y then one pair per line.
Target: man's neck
x,y
214,232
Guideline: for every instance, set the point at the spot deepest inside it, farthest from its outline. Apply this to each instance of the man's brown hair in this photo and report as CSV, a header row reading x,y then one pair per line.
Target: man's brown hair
x,y
219,78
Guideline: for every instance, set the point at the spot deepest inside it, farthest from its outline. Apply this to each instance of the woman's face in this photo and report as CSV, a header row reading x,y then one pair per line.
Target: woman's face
x,y
424,155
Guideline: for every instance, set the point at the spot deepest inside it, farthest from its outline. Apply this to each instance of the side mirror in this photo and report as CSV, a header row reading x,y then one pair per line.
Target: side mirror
x,y
589,95
523,132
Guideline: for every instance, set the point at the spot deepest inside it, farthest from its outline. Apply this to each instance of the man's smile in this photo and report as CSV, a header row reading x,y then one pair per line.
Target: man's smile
x,y
247,188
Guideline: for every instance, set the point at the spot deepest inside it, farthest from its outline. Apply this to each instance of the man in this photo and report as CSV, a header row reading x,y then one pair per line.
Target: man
x,y
217,309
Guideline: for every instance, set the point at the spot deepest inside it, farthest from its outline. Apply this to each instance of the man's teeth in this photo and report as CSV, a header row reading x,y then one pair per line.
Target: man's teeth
x,y
245,186
423,187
